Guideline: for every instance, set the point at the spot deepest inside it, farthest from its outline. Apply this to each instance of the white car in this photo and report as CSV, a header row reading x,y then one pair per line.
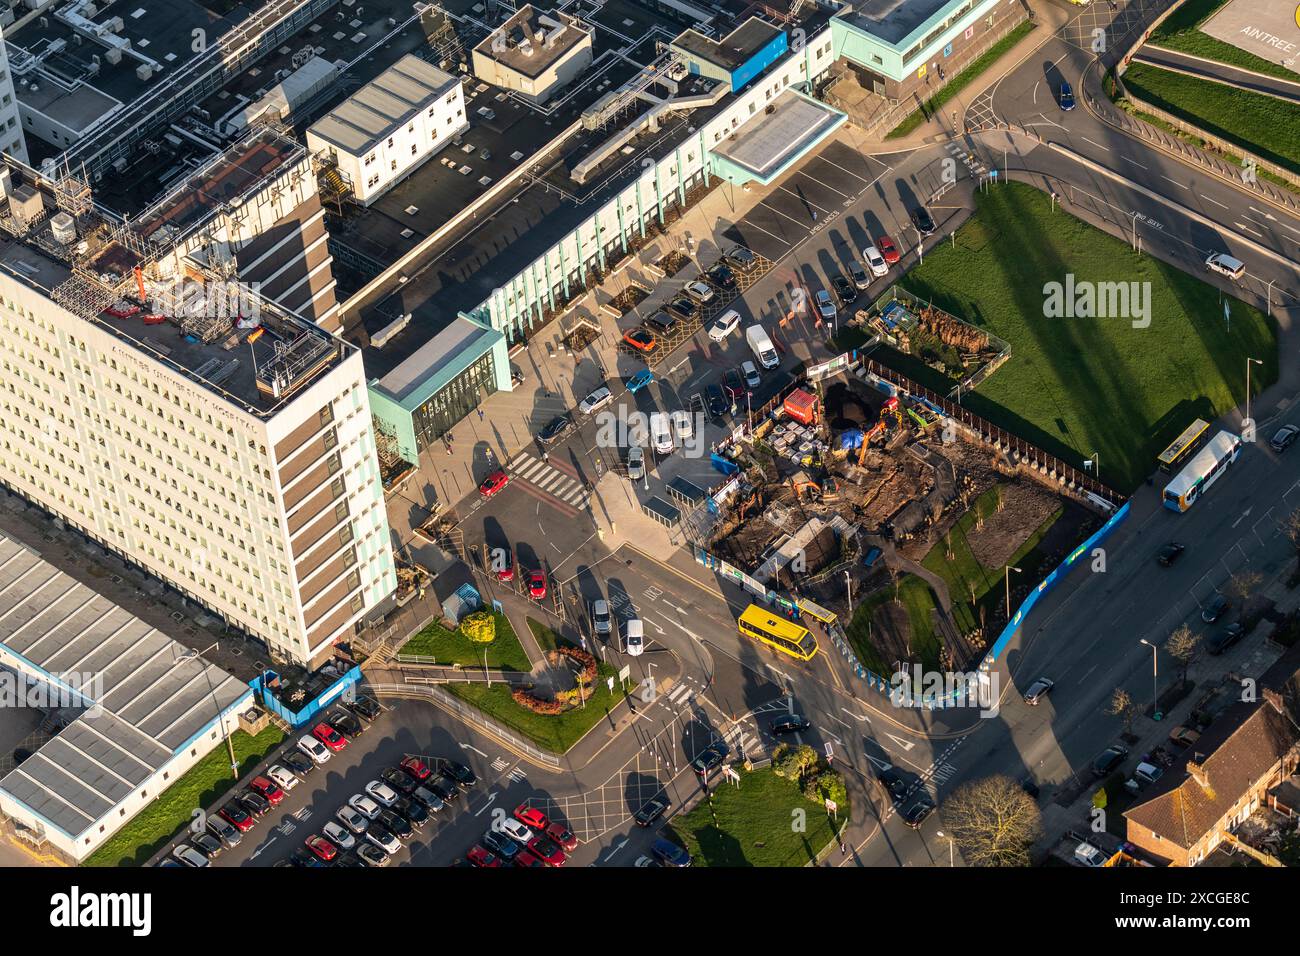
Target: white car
x,y
519,832
338,834
283,776
385,841
634,637
683,426
350,818
750,371
636,463
382,793
314,749
700,291
724,325
597,399
364,806
875,261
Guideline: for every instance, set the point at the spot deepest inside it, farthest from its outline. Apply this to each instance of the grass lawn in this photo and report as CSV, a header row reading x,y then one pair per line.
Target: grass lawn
x,y
202,786
451,647
919,603
1263,125
556,733
1079,386
546,638
1181,32
959,82
754,825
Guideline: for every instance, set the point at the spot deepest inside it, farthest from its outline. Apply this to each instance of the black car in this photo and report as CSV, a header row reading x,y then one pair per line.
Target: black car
x,y
662,322
917,813
722,277
716,401
651,811
298,762
555,429
254,803
224,831
921,219
500,844
347,858
1226,638
684,307
367,708
399,780
844,289
733,384
463,776
1215,609
303,857
428,799
1284,437
371,855
741,258
345,724
893,782
1108,760
413,810
709,758
396,824
444,789
790,724
208,845
861,278
1169,554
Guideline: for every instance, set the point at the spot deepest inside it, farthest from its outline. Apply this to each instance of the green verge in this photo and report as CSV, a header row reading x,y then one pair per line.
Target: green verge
x,y
754,825
556,733
1181,31
1263,125
452,647
1079,386
203,785
959,82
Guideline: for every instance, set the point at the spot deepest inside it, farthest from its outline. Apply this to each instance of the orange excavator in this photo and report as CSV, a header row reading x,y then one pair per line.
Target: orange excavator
x,y
889,409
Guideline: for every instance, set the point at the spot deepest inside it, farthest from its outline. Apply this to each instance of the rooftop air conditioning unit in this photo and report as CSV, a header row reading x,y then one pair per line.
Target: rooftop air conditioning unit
x,y
64,228
113,55
143,71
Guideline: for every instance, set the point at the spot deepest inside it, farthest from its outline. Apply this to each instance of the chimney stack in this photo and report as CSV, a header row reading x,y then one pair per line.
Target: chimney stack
x,y
1197,772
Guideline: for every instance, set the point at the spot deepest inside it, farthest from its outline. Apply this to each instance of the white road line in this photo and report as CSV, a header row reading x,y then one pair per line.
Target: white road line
x,y
1094,143
1176,183
1131,160
1215,201
1244,228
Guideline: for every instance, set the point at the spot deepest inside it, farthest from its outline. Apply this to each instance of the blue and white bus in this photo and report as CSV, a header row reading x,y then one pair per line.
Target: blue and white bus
x,y
1202,471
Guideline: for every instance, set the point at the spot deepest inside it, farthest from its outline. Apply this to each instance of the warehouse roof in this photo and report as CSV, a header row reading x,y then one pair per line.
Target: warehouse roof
x,y
359,123
142,697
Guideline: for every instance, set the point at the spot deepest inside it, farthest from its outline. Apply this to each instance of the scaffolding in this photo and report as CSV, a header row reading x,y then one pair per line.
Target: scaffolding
x,y
445,48
293,363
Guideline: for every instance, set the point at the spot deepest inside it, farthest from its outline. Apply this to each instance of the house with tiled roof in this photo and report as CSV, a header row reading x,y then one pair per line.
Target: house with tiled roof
x,y
1224,778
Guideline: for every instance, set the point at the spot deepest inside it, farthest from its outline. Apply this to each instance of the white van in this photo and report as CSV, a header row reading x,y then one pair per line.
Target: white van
x,y
683,426
661,433
634,637
762,347
1226,265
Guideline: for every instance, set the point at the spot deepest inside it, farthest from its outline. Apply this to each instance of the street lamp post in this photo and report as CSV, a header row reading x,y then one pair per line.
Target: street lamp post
x,y
1270,297
1249,363
191,655
1155,696
1135,231
848,582
1008,570
940,835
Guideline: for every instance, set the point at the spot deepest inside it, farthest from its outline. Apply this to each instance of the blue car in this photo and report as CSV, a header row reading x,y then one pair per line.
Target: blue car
x,y
639,381
1067,97
670,854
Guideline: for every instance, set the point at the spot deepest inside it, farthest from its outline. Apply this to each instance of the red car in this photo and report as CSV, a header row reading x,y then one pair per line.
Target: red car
x,y
527,859
330,737
237,817
563,836
546,850
416,768
531,817
493,483
322,847
888,251
268,789
481,857
506,569
537,585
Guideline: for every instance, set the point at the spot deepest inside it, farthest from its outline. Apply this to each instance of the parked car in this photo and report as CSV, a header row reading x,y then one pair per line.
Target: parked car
x,y
268,790
223,830
379,835
330,737
641,339
1284,437
722,277
347,859
888,251
733,384
875,261
684,307
547,850
1183,737
750,372
596,400
526,858
189,856
396,824
381,793
844,288
364,806
314,749
372,855
1066,97
640,380
651,811
662,322
345,723
724,325
503,563
1215,609
297,761
669,853
1036,691
531,817
789,724
208,845
325,850
700,292
416,768
740,258
633,637
493,483
355,821
367,708
825,304
303,857
555,429
517,831
236,816
1108,760
917,813
461,774
283,778
428,799
636,463
1220,642
254,803
861,278
445,789
480,857
501,845
601,620
413,811
399,780
716,401
922,220
683,426
1170,553
563,836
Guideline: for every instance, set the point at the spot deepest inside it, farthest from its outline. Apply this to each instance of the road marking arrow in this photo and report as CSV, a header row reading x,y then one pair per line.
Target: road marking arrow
x,y
617,846
475,749
491,799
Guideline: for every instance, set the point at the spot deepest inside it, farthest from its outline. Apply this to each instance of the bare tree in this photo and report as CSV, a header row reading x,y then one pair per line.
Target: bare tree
x,y
1291,528
1121,705
1184,647
1242,584
993,821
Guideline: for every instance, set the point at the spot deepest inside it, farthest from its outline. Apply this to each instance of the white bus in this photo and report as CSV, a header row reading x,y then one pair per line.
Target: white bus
x,y
1202,471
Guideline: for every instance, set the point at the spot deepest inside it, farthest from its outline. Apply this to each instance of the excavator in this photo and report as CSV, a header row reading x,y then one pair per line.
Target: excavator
x,y
889,409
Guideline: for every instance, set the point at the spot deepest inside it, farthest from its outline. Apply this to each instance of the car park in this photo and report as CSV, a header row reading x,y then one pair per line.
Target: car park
x,y
314,749
700,292
888,251
1036,691
1215,609
428,799
651,811
740,258
670,854
640,380
1284,437
662,322
283,778
345,724
563,836
555,429
501,845
372,855
596,400
398,779
355,821
382,837
367,708
396,824
709,759
236,816
789,724
325,850
268,790
683,426
641,339
1066,97
1220,642
189,856
917,813
223,830
601,620
445,789
861,278
1170,553
208,845
684,307
381,793
875,261
365,805
297,761
1109,760
750,371
479,856
844,288
330,737
413,811
493,483
724,325
254,803
825,304
537,585
636,463
416,768
722,277
923,221
716,401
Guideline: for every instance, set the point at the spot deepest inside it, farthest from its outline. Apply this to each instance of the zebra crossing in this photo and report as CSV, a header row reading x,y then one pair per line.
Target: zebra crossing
x,y
740,741
969,160
550,480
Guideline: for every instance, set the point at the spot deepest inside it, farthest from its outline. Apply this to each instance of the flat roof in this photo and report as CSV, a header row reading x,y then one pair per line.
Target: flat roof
x,y
438,361
770,139
151,696
516,46
359,123
735,49
893,21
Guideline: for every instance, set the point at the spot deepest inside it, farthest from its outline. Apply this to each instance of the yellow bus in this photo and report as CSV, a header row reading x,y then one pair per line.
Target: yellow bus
x,y
1183,447
777,632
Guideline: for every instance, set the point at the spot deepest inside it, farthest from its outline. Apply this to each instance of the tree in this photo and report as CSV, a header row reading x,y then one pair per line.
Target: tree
x,y
994,821
1291,528
1184,647
1122,706
1243,584
791,763
480,627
